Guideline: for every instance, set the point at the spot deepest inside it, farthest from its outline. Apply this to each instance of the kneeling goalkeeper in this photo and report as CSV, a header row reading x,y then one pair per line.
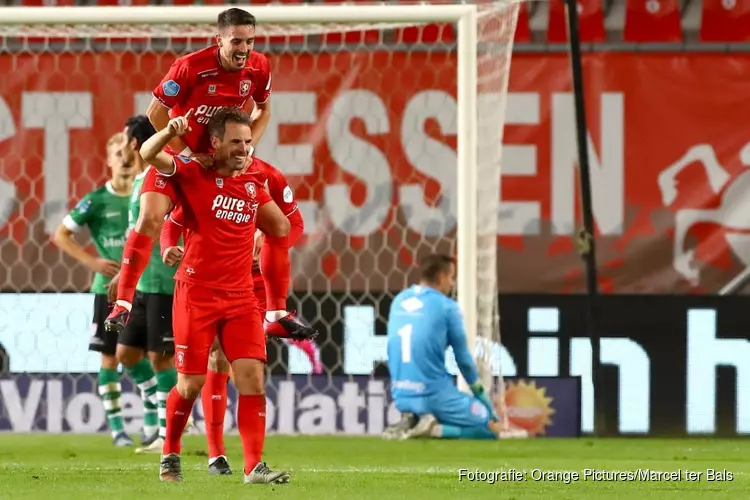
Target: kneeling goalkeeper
x,y
422,323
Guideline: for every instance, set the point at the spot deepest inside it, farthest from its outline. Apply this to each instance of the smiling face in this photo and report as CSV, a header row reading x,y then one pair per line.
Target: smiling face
x,y
235,44
234,148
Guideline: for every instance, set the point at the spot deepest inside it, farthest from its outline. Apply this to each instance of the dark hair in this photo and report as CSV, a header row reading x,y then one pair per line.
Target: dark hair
x,y
433,265
234,17
140,128
217,124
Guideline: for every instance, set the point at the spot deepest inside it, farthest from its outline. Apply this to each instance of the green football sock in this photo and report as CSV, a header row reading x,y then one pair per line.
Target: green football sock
x,y
165,380
109,390
143,375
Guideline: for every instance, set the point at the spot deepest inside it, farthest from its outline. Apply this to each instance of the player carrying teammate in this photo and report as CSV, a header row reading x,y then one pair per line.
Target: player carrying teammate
x,y
105,212
214,290
214,393
146,348
230,75
422,323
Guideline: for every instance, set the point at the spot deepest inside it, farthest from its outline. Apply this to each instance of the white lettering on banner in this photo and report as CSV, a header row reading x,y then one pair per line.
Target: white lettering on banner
x,y
361,159
607,174
20,412
56,113
7,188
705,354
519,217
293,108
431,158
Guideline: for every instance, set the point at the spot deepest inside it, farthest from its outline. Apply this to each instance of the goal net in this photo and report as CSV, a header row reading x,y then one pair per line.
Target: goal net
x,y
388,121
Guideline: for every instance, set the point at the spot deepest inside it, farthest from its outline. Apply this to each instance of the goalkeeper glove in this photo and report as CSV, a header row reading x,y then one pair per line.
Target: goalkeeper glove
x,y
478,390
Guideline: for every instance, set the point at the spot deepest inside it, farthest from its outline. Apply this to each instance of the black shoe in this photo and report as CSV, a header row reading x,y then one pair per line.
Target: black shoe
x,y
115,322
171,470
289,327
220,467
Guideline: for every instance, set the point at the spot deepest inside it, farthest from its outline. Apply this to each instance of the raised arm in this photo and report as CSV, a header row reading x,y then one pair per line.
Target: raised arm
x,y
152,150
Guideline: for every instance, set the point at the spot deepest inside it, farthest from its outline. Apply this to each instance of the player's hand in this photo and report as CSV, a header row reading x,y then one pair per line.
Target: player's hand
x,y
112,288
180,125
105,267
172,256
259,239
205,161
481,394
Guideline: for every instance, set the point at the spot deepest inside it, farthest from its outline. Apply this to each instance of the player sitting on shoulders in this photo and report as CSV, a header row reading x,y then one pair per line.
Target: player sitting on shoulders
x,y
105,212
145,347
214,393
423,322
214,291
230,75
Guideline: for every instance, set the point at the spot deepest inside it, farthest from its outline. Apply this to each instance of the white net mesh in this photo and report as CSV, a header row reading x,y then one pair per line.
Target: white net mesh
x,y
364,125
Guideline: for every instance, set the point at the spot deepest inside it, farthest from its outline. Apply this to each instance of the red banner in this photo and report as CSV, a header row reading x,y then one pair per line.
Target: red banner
x,y
666,146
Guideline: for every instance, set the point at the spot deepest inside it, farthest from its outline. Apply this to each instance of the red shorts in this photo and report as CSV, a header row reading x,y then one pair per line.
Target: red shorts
x,y
154,182
259,288
201,314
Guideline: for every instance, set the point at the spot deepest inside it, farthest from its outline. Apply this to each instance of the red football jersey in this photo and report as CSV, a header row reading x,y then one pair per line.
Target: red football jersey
x,y
276,183
218,219
197,81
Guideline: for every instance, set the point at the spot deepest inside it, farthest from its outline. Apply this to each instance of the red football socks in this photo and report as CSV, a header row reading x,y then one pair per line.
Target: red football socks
x,y
135,257
178,413
276,269
214,402
251,420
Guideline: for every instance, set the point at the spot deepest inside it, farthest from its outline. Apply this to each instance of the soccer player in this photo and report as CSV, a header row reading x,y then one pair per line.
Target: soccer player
x,y
422,323
214,393
214,290
105,212
145,347
230,75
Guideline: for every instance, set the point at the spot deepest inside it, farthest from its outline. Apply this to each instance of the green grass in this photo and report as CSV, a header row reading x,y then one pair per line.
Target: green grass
x,y
42,467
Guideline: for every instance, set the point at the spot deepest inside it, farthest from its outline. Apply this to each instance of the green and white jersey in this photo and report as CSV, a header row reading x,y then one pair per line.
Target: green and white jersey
x,y
158,277
105,213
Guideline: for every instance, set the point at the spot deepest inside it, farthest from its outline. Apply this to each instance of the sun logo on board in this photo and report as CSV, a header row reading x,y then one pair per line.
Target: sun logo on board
x,y
528,407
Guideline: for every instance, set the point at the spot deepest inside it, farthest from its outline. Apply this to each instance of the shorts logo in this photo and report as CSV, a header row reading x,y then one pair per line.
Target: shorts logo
x,y
171,88
160,183
180,359
244,88
479,410
250,188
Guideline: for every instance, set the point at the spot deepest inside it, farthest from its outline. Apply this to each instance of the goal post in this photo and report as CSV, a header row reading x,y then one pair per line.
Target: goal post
x,y
483,48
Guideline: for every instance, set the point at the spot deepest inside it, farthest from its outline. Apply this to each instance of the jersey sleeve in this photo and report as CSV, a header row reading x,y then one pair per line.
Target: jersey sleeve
x,y
282,193
263,81
154,182
173,89
81,215
457,340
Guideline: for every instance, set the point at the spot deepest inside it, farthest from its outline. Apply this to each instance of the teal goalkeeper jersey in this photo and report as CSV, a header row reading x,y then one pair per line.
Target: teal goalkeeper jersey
x,y
105,213
158,277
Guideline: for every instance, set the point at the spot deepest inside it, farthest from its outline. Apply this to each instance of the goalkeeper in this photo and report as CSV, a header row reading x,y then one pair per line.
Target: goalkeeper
x,y
422,323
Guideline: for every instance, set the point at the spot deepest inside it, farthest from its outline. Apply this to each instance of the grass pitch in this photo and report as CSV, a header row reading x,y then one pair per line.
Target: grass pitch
x,y
42,467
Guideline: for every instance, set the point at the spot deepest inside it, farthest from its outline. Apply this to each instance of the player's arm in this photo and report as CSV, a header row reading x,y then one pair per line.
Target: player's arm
x,y
271,220
262,97
152,150
457,340
171,91
73,223
169,241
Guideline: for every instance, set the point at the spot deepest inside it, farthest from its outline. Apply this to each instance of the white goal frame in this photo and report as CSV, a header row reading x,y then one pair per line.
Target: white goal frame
x,y
464,16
